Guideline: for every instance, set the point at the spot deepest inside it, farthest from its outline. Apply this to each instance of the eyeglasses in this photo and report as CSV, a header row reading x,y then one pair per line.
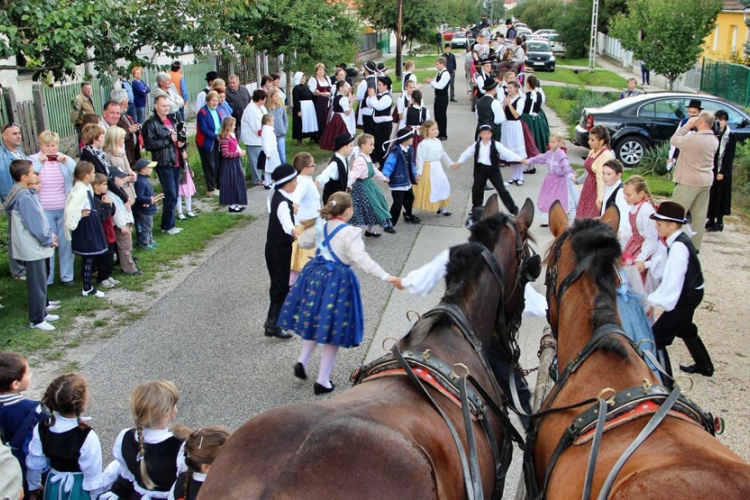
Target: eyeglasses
x,y
9,125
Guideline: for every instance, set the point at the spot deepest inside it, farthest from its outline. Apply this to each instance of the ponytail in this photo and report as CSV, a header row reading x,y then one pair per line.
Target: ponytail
x,y
337,204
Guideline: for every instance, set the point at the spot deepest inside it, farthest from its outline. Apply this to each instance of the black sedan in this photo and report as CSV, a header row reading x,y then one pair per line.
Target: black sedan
x,y
540,56
638,123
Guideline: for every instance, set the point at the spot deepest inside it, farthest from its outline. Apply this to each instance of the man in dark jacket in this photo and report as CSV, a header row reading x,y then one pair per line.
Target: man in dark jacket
x,y
163,137
238,98
450,65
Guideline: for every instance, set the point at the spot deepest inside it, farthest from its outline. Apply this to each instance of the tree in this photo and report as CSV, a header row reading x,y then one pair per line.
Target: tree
x,y
419,17
675,43
574,26
540,14
460,12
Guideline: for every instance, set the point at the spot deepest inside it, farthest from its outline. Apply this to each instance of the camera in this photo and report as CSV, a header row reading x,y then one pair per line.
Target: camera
x,y
181,132
51,157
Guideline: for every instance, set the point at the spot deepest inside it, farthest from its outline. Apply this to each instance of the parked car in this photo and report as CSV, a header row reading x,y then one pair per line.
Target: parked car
x,y
461,39
449,32
544,33
556,44
540,56
523,31
638,123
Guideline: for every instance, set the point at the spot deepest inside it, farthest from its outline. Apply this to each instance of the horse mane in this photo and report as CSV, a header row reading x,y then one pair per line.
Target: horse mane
x,y
485,230
464,265
593,240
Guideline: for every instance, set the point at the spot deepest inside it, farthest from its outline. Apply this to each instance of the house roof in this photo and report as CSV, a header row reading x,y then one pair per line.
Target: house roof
x,y
734,5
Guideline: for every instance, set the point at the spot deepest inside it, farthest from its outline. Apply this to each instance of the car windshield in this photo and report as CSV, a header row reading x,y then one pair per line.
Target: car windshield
x,y
538,47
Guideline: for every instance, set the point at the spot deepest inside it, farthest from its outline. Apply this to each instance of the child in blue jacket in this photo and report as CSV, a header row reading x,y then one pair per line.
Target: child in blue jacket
x,y
144,207
401,168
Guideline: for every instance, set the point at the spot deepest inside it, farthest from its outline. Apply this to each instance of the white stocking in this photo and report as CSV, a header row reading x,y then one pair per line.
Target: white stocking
x,y
308,346
269,179
327,359
517,171
189,203
179,204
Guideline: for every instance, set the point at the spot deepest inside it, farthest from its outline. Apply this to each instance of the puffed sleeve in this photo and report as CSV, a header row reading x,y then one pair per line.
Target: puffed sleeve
x,y
358,254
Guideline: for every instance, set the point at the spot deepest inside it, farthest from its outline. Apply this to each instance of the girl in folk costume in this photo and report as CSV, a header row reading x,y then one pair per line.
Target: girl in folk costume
x,y
409,75
307,198
304,119
512,130
433,191
233,191
402,104
69,444
720,198
531,114
592,193
342,122
613,195
201,448
415,116
370,207
643,249
559,182
148,457
381,102
270,149
275,106
325,305
321,88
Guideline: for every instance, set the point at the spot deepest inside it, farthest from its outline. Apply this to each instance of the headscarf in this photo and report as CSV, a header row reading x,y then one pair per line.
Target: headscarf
x,y
298,77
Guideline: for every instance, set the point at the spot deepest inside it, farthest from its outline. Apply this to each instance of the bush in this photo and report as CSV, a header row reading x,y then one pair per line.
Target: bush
x,y
741,171
654,161
569,93
588,99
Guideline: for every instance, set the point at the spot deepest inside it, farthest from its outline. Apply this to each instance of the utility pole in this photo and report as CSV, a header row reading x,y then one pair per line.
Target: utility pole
x,y
399,47
594,35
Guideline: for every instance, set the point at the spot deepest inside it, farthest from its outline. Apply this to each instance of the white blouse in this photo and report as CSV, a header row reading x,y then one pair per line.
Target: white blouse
x,y
647,228
307,198
431,150
313,83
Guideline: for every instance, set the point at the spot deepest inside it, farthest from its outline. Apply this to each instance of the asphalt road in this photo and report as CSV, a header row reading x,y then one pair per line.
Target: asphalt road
x,y
207,334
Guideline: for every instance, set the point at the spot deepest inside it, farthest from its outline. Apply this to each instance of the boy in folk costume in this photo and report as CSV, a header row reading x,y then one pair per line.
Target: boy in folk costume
x,y
281,234
482,76
381,102
364,111
440,84
401,169
402,104
336,175
680,292
489,110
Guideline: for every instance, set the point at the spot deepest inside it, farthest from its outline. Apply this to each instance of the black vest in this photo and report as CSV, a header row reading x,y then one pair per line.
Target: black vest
x,y
276,234
494,155
334,186
611,199
485,115
528,104
337,104
693,275
415,116
385,111
193,488
161,459
63,449
439,78
372,83
508,115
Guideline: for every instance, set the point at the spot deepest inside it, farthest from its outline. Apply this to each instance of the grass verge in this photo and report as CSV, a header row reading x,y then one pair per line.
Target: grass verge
x,y
599,78
582,61
560,106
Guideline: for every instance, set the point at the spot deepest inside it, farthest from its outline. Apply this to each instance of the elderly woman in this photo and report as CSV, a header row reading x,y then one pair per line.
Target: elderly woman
x,y
221,88
164,87
206,138
93,139
304,119
140,94
321,88
131,128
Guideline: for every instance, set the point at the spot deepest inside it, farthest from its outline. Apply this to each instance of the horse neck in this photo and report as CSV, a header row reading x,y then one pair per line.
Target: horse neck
x,y
575,326
475,302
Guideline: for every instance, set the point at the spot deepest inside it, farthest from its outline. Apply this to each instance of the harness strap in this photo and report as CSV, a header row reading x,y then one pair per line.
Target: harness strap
x,y
595,449
644,434
470,493
476,474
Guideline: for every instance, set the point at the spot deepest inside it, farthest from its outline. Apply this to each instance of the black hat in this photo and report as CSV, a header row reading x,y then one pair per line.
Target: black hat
x,y
385,80
403,135
670,211
282,174
485,61
352,72
509,21
342,140
116,172
371,66
695,103
143,163
342,66
211,76
381,66
485,127
489,84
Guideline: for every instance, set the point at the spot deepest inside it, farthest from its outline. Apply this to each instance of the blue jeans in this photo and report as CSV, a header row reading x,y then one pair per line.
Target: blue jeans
x,y
169,177
140,115
281,142
131,110
56,220
144,225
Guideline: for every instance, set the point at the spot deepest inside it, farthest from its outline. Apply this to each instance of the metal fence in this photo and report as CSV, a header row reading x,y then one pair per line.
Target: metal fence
x,y
727,80
195,77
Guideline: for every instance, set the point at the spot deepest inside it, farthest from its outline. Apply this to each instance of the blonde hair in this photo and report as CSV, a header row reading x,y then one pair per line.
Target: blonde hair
x,y
218,84
640,185
337,205
270,101
149,404
267,118
424,130
363,139
136,68
318,66
212,95
112,138
559,137
48,137
301,161
409,64
227,127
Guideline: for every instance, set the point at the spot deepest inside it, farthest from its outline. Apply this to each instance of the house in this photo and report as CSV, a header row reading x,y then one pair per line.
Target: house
x,y
730,34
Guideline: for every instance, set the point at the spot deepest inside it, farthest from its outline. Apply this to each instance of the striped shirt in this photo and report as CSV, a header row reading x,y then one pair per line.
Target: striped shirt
x,y
53,195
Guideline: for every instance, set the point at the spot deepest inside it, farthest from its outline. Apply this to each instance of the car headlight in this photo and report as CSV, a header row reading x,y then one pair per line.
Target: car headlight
x,y
552,58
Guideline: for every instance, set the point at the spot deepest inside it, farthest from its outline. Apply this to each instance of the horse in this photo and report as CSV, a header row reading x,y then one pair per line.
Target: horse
x,y
679,459
382,438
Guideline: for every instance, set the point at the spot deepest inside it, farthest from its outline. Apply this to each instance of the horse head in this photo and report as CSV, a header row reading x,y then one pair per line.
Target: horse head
x,y
583,257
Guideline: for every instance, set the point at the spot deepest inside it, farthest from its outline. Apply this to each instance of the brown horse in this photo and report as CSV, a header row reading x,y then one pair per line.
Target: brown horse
x,y
680,459
381,438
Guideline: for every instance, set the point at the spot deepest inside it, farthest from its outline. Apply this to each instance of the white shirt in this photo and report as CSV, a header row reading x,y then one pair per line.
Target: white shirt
x,y
270,147
331,172
362,96
484,153
498,114
89,459
380,102
402,105
670,289
251,123
200,100
282,211
307,198
313,83
431,150
479,79
441,80
150,436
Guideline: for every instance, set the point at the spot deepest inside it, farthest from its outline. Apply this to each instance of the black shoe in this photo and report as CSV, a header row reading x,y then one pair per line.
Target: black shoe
x,y
273,330
412,219
234,210
68,283
299,371
443,211
543,225
709,223
373,234
487,187
319,389
713,228
242,209
530,171
702,360
389,230
720,226
453,100
137,272
706,371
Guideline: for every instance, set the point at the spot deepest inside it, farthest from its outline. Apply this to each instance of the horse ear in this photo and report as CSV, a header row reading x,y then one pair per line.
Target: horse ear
x,y
525,217
491,207
558,219
612,218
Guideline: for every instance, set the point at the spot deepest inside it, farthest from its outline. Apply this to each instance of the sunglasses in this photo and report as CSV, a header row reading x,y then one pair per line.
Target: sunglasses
x,y
9,125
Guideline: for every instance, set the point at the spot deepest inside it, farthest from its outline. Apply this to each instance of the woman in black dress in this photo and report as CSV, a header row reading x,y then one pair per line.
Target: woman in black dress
x,y
304,120
720,199
320,86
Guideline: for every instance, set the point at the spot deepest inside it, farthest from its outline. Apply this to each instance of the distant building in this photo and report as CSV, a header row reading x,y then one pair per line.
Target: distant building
x,y
730,34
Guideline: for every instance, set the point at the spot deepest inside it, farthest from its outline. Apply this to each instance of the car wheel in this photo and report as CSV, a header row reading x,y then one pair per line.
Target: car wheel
x,y
630,150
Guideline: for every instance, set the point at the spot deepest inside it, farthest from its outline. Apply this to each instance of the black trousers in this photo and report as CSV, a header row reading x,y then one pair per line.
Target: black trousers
x,y
452,85
382,132
104,263
441,114
484,173
368,126
210,160
278,262
679,321
401,199
502,371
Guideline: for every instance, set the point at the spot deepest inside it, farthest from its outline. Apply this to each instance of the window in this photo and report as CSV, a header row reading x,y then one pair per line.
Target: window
x,y
716,38
734,39
665,109
735,118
